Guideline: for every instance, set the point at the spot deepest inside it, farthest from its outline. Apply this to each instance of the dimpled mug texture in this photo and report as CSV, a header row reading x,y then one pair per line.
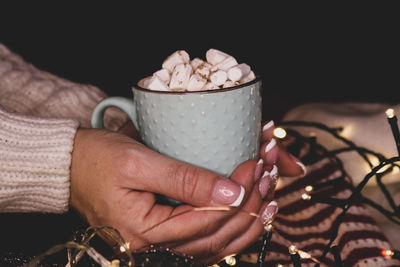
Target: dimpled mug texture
x,y
216,130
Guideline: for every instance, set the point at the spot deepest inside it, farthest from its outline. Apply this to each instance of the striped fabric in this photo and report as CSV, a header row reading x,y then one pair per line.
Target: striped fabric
x,y
308,225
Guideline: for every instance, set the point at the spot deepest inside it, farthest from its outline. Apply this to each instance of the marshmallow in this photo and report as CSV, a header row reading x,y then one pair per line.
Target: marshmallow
x,y
180,76
144,83
229,83
225,64
155,83
196,62
163,74
196,82
215,56
219,77
204,70
178,57
238,72
179,73
248,78
210,86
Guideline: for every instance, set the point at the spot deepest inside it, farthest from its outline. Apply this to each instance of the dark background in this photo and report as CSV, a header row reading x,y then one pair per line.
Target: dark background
x,y
304,51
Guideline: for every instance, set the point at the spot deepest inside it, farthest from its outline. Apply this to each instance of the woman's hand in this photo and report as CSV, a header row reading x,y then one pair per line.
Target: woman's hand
x,y
114,180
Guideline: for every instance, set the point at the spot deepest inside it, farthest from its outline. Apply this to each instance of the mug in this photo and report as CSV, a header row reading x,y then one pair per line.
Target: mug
x,y
215,129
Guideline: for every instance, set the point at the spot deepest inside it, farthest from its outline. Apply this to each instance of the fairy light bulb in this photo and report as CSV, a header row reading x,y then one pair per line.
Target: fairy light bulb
x,y
390,113
268,227
306,196
279,133
124,247
387,253
309,188
230,260
304,255
292,249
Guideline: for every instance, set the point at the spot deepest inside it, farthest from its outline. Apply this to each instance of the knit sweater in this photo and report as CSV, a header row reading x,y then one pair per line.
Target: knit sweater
x,y
39,116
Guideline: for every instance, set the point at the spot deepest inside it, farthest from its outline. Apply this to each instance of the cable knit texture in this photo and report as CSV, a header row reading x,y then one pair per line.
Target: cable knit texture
x,y
35,156
39,115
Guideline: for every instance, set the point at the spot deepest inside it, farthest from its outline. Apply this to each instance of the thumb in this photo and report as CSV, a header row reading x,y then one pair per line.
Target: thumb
x,y
185,182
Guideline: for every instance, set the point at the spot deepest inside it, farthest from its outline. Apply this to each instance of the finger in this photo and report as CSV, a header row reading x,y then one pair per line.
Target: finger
x,y
269,151
267,131
168,226
246,239
235,226
272,151
217,242
258,170
183,182
181,224
289,165
268,182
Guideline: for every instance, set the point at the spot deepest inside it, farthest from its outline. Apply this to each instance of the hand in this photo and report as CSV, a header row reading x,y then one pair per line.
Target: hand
x,y
274,160
114,180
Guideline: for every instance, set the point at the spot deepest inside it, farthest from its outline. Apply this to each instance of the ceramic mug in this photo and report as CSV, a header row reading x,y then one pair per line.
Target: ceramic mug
x,y
215,129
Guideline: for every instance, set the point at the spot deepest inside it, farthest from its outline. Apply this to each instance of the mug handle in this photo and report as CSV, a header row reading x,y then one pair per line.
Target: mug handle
x,y
123,103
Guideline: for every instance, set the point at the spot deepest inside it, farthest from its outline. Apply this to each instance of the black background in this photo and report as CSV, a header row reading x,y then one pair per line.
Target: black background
x,y
305,51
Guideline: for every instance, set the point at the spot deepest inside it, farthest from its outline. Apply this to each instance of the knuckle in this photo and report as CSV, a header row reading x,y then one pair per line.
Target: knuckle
x,y
187,180
215,245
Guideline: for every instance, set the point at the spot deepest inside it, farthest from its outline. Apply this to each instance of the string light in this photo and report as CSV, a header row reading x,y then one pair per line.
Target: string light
x,y
336,254
124,247
265,245
380,166
295,253
309,188
294,256
392,119
279,133
388,253
230,260
306,196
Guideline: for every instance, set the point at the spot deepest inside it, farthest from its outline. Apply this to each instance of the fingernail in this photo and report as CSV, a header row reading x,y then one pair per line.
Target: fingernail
x,y
300,164
268,182
269,213
270,152
228,193
270,145
263,186
258,170
268,130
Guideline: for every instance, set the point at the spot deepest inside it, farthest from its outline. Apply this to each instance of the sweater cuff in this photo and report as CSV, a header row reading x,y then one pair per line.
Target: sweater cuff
x,y
35,156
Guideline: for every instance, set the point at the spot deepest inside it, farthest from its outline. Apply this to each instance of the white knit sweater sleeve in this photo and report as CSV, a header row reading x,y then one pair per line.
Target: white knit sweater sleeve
x,y
39,116
35,157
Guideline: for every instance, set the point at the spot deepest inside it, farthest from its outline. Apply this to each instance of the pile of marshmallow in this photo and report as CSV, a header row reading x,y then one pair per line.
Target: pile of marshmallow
x,y
179,73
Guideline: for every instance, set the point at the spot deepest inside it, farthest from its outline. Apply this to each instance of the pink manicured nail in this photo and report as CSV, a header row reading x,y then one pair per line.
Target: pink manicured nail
x,y
268,131
263,186
270,152
273,182
268,182
228,193
298,162
258,170
270,145
269,213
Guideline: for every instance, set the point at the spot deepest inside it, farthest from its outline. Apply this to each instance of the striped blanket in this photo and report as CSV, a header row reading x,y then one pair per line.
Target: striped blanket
x,y
308,225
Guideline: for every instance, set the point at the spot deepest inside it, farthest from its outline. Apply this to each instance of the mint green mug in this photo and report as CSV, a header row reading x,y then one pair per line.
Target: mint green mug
x,y
215,129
